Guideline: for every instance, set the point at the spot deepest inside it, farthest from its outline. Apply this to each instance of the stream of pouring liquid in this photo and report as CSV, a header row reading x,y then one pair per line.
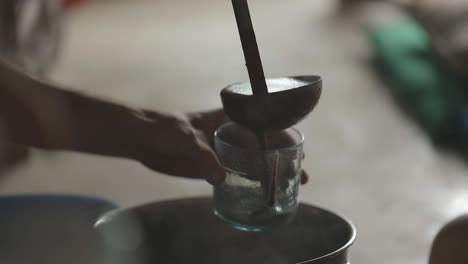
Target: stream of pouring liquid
x,y
268,180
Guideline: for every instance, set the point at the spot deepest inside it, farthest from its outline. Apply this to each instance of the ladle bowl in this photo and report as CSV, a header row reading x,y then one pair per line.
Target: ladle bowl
x,y
289,100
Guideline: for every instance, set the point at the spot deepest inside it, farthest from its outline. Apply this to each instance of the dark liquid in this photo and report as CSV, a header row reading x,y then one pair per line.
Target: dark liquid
x,y
268,180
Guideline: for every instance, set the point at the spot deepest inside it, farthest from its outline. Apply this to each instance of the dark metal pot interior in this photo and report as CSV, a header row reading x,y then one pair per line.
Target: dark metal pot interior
x,y
186,231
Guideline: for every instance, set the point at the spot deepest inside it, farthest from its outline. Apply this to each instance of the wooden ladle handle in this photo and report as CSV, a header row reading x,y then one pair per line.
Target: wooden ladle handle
x,y
250,47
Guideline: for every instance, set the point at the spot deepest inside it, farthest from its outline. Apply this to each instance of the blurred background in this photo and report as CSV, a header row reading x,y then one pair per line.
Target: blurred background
x,y
386,146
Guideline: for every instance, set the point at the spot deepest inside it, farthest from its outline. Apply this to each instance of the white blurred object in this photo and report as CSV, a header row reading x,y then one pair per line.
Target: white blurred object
x,y
30,32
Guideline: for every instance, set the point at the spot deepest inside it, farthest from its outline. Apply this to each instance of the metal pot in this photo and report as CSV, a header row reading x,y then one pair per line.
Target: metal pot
x,y
185,231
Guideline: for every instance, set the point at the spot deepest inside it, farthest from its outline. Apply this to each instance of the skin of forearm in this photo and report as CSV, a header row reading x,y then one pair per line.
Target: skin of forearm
x,y
42,115
34,113
102,127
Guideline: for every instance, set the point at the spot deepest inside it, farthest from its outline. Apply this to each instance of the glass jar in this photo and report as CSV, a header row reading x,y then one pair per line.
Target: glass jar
x,y
262,184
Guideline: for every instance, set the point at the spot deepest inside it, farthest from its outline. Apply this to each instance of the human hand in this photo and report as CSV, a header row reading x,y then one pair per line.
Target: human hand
x,y
182,145
179,145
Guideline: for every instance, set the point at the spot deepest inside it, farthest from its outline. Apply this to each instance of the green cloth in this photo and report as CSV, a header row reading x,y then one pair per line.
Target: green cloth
x,y
432,95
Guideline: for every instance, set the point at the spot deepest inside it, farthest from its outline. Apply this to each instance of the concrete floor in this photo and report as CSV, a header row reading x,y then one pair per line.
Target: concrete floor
x,y
368,161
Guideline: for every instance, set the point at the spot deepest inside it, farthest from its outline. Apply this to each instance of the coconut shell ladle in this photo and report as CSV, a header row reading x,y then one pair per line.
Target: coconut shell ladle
x,y
263,105
271,104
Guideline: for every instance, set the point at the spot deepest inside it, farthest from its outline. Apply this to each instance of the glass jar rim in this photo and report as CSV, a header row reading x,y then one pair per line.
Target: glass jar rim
x,y
298,143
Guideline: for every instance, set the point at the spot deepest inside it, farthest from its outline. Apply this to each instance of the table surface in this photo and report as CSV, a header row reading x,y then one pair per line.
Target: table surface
x,y
368,161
